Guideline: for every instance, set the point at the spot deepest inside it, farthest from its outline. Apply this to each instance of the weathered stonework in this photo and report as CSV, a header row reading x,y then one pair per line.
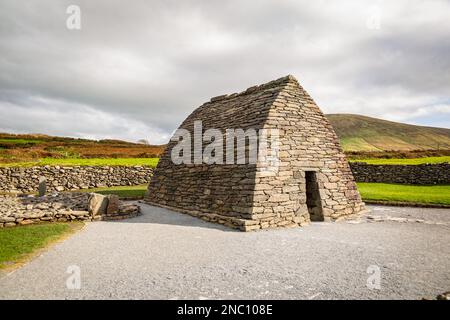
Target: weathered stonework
x,y
422,174
26,179
62,207
248,197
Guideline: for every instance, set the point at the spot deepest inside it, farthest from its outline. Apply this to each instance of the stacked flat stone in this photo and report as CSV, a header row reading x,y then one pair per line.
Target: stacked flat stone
x,y
23,179
421,174
246,196
62,207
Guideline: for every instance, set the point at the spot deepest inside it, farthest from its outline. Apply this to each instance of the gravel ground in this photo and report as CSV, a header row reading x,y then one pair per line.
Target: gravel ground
x,y
437,216
167,255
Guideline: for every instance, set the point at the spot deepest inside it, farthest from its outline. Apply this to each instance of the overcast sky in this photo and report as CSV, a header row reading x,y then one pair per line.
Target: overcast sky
x,y
136,69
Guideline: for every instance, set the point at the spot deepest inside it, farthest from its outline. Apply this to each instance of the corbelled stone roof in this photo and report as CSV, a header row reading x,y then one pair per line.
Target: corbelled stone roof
x,y
272,85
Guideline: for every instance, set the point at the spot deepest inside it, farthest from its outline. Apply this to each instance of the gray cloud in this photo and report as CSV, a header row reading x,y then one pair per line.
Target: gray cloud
x,y
136,70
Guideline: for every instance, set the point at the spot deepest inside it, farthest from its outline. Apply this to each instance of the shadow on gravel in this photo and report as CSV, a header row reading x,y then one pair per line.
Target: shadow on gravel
x,y
157,215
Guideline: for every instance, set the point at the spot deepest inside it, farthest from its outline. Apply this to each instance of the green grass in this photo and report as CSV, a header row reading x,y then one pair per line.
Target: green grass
x,y
152,162
19,141
86,162
439,194
64,152
123,191
414,161
17,243
357,144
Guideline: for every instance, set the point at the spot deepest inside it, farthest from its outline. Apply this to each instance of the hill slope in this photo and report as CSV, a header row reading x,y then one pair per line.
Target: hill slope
x,y
28,147
361,133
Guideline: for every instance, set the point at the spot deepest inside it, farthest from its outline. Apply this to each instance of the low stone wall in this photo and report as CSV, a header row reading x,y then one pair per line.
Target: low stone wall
x,y
23,179
62,207
26,179
423,174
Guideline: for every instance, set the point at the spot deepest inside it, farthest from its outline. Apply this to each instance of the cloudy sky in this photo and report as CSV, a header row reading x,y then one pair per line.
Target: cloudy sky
x,y
136,69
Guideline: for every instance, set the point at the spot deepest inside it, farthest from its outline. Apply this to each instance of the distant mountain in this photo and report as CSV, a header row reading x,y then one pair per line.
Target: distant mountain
x,y
361,133
358,135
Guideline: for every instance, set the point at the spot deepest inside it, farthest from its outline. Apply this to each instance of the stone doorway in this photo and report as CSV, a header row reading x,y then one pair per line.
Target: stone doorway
x,y
313,196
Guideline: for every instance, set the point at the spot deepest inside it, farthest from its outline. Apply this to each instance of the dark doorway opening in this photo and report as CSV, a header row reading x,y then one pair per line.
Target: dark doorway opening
x,y
313,196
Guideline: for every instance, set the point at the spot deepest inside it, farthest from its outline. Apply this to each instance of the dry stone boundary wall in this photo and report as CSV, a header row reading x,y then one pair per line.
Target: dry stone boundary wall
x,y
63,207
26,179
423,174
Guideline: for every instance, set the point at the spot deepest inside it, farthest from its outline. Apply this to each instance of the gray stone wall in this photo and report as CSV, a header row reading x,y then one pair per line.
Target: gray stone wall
x,y
26,179
62,207
423,174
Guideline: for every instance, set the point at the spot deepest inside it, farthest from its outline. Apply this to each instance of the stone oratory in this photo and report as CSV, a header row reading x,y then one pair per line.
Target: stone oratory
x,y
311,182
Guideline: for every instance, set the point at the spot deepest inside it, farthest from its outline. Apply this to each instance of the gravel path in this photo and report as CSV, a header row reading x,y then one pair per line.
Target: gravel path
x,y
167,255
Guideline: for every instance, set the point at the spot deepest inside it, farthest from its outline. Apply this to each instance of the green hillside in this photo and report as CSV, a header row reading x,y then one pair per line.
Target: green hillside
x,y
28,149
361,137
361,133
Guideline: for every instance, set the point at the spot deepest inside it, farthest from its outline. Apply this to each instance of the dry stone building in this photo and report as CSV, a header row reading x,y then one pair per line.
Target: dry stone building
x,y
313,180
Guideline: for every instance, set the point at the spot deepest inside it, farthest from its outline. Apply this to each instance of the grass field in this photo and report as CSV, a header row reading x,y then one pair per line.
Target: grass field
x,y
87,162
122,192
414,161
19,141
355,143
152,162
18,243
24,148
439,194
